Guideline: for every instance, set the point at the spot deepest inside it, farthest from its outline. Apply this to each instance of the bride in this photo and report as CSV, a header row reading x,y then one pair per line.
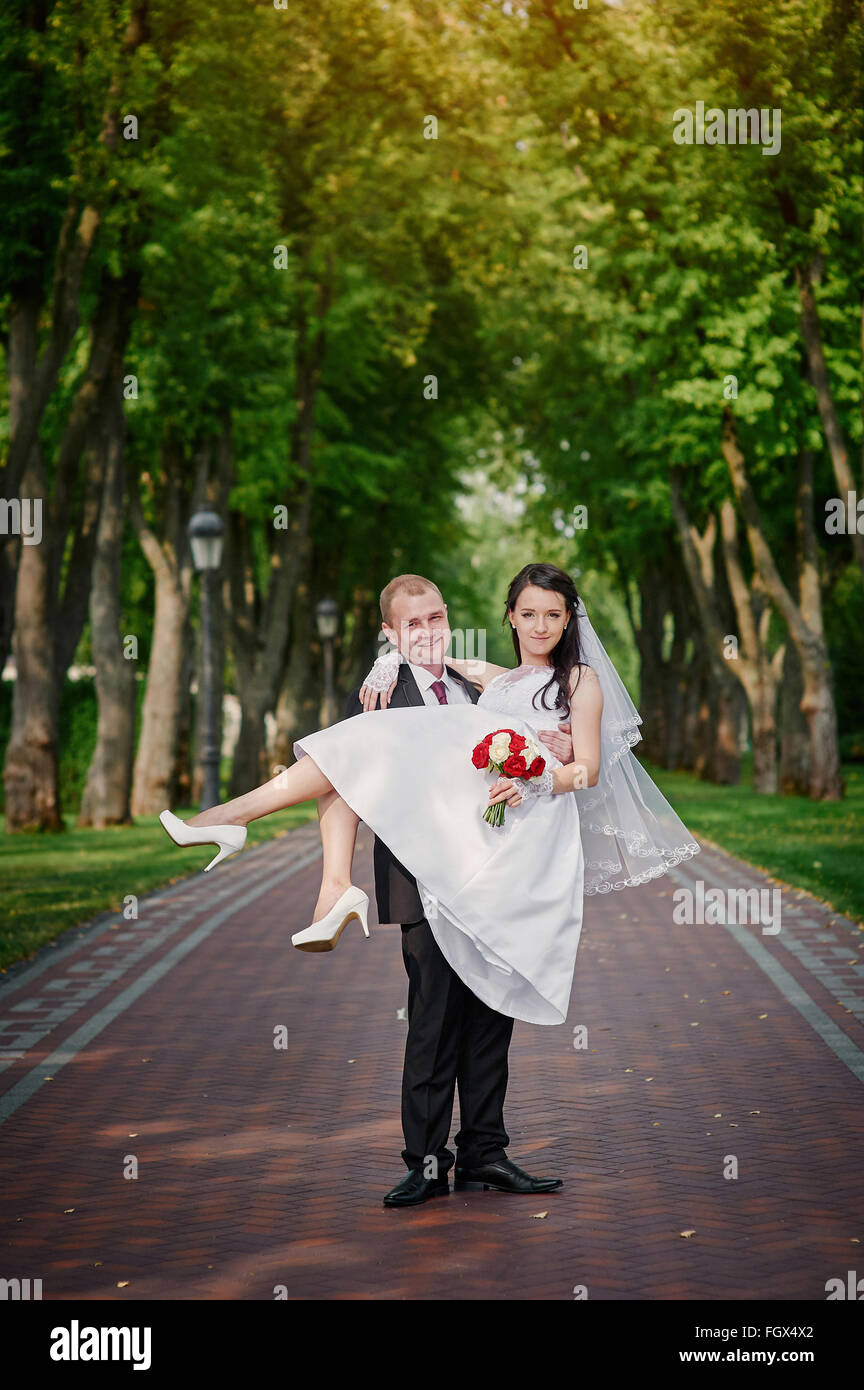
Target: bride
x,y
504,901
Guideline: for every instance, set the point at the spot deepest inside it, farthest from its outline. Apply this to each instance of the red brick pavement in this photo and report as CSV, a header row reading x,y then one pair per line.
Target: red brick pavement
x,y
261,1166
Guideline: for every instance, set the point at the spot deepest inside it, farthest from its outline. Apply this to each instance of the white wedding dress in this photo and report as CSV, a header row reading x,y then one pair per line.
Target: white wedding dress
x,y
503,902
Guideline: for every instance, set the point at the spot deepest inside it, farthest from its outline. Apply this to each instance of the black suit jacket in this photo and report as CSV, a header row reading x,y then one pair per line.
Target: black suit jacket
x,y
396,892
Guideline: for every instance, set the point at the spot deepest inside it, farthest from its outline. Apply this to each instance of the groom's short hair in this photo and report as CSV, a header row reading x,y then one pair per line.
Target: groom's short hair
x,y
405,584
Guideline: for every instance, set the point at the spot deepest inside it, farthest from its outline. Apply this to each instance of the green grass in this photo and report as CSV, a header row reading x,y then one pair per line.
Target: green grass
x,y
818,846
54,881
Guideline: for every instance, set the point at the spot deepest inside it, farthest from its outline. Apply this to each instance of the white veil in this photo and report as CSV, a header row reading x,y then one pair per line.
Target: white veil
x,y
630,834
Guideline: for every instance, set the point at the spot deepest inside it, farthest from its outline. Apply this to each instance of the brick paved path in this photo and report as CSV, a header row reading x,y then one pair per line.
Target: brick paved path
x,y
261,1166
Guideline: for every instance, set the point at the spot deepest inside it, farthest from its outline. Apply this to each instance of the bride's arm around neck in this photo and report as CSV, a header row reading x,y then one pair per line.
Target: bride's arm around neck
x,y
478,672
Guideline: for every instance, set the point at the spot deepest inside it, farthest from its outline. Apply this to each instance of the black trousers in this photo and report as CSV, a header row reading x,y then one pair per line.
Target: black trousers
x,y
454,1039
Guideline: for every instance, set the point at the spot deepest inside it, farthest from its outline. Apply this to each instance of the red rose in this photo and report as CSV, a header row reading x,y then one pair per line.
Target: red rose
x,y
480,756
514,766
517,743
538,766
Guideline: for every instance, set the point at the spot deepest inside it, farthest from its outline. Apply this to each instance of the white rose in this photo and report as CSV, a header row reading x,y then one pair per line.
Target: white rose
x,y
499,748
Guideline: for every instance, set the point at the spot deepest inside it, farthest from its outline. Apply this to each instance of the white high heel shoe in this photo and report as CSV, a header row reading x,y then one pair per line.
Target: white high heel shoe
x,y
229,838
323,935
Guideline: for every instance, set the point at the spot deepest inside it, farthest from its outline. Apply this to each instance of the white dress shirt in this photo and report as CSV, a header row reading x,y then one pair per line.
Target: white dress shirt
x,y
456,692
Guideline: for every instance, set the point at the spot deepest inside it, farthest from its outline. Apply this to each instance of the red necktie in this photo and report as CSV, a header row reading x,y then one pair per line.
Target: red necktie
x,y
440,692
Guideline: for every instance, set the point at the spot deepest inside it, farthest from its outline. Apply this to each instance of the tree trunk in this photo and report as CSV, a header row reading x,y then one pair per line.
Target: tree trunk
x,y
30,774
298,708
181,776
259,629
794,729
826,781
688,744
804,620
757,669
653,705
763,706
58,619
169,557
155,761
9,555
729,704
106,797
249,768
358,647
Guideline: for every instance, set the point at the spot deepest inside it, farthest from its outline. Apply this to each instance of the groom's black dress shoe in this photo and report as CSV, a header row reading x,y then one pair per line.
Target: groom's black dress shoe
x,y
415,1188
501,1176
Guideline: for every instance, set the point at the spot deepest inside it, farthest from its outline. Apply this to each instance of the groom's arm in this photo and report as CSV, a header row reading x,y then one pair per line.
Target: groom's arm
x,y
560,742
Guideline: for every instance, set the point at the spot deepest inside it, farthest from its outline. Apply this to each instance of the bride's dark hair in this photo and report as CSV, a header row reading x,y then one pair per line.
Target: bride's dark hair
x,y
566,654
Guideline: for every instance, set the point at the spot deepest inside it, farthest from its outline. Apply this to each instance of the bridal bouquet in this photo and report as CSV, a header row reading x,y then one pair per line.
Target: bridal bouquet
x,y
508,753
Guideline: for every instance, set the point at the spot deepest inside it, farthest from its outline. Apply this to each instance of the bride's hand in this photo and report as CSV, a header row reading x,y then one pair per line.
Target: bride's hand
x,y
505,789
380,680
369,697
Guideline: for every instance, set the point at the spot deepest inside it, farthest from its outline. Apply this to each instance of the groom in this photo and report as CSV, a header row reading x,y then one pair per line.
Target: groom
x,y
454,1039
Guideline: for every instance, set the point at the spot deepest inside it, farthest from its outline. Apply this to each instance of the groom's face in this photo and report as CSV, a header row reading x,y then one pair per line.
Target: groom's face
x,y
419,627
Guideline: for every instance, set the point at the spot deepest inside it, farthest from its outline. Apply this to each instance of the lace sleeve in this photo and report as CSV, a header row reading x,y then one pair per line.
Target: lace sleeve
x,y
384,671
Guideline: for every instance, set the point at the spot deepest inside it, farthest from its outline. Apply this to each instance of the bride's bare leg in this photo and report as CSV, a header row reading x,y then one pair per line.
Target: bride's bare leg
x,y
303,782
338,837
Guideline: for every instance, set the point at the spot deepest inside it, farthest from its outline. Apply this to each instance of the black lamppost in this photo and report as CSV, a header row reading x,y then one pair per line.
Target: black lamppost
x,y
205,532
327,618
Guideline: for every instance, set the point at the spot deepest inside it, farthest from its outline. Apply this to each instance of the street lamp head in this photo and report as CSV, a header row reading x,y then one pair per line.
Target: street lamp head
x,y
205,532
327,617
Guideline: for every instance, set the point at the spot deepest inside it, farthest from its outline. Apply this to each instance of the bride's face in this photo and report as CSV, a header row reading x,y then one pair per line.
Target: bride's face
x,y
419,627
539,617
